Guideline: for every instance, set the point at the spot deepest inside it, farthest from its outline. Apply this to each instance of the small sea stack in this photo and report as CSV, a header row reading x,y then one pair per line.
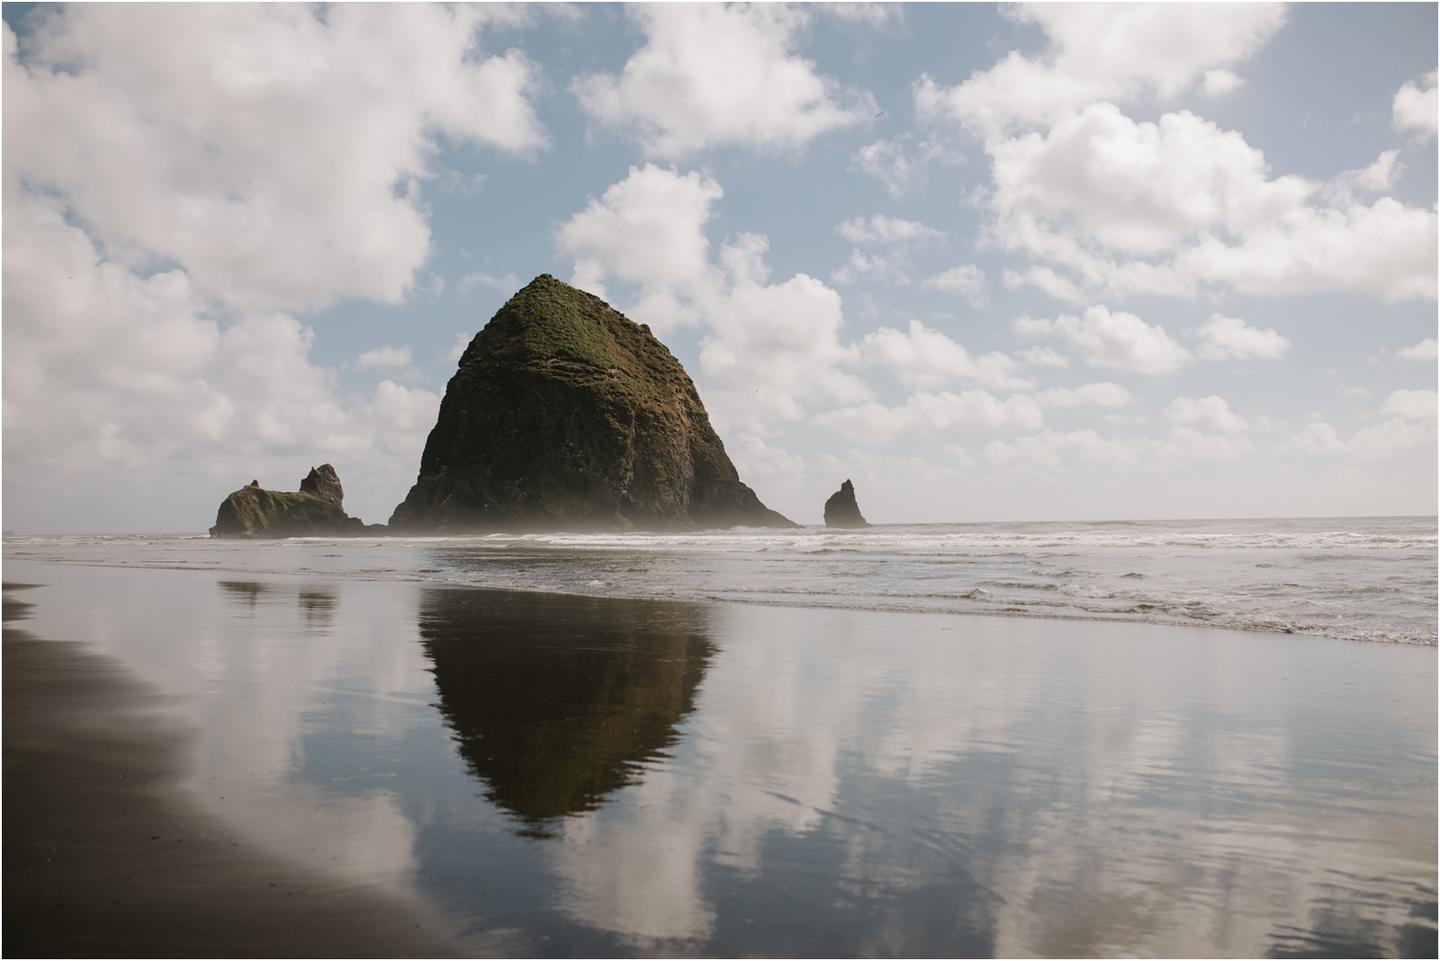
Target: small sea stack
x,y
841,509
313,511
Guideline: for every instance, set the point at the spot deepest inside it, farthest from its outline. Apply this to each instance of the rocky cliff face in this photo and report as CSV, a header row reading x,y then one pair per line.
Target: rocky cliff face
x,y
314,511
841,509
566,415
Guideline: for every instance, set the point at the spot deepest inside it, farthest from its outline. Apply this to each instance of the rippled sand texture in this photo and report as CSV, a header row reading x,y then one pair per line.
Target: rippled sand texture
x,y
558,775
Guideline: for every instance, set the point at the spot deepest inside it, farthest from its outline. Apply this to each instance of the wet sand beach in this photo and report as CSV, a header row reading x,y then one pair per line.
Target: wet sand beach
x,y
106,856
550,775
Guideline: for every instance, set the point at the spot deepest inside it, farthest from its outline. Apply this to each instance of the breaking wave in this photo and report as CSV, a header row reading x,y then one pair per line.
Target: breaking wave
x,y
1363,579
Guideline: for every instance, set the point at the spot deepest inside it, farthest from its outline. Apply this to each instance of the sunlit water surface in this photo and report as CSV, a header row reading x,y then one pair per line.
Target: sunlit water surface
x,y
563,775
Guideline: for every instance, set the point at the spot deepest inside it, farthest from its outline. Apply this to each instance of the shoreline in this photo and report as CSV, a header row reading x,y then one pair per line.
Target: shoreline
x,y
703,598
105,855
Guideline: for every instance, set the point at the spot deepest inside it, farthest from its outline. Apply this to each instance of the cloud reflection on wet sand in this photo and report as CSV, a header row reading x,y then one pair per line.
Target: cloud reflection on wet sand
x,y
576,775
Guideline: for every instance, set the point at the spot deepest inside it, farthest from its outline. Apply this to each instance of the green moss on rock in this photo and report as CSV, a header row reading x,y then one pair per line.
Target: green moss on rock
x,y
565,414
313,511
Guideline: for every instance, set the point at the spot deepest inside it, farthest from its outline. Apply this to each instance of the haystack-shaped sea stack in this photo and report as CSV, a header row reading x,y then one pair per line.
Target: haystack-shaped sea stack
x,y
314,511
564,414
841,509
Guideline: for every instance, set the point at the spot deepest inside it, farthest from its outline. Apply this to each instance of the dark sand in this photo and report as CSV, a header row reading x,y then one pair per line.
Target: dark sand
x,y
105,856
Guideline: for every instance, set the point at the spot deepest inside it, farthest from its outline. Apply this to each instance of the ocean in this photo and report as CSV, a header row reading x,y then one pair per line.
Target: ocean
x,y
915,741
1350,578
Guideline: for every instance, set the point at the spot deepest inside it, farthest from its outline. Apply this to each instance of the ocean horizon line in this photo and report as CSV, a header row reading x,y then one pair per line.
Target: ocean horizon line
x,y
200,532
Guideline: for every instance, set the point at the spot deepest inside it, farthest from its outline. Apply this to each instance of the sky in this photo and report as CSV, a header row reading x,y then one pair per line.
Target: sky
x,y
1062,262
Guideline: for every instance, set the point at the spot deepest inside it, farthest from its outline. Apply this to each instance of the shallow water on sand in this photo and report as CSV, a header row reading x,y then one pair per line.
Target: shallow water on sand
x,y
1352,578
565,775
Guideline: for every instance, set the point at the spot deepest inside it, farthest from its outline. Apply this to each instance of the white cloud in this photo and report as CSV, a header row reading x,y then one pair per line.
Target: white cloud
x,y
1121,53
225,151
901,164
1381,175
1102,394
91,390
647,229
1415,106
754,458
1112,339
1050,449
1135,188
1217,83
967,280
923,357
711,75
1047,280
773,349
1378,441
880,268
401,416
384,357
1411,404
1043,357
69,332
663,308
1202,437
1179,206
1188,444
146,296
1318,437
1208,415
891,164
1390,437
1204,429
1115,209
507,284
867,14
457,349
882,229
934,412
1425,351
1230,338
1387,250
743,258
768,350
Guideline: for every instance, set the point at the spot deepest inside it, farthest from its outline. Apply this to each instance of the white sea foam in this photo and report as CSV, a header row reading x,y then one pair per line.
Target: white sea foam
x,y
1352,578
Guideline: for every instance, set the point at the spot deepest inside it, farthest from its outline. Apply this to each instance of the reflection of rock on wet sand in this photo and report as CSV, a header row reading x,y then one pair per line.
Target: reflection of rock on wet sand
x,y
246,593
556,701
317,604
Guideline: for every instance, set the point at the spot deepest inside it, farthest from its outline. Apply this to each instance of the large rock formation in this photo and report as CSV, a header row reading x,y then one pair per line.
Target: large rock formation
x,y
313,511
566,415
841,509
